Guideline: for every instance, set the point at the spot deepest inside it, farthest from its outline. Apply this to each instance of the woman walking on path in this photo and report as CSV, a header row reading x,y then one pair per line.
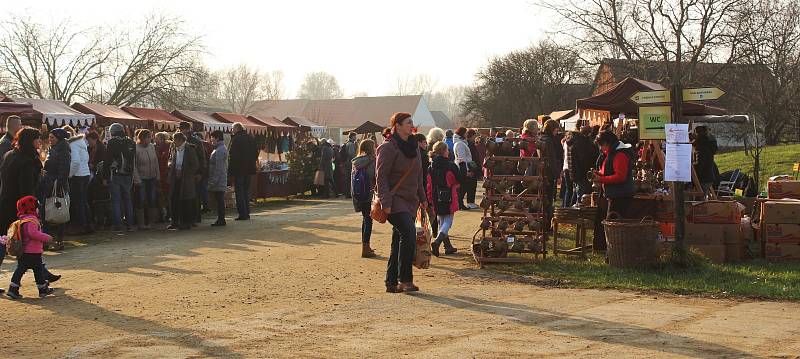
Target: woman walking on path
x,y
146,176
362,187
400,192
218,175
442,189
55,179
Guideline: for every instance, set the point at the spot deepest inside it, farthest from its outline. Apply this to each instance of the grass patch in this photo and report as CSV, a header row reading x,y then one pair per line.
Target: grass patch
x,y
775,160
755,279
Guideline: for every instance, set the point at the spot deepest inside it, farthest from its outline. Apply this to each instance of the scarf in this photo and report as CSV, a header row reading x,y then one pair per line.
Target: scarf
x,y
27,206
409,148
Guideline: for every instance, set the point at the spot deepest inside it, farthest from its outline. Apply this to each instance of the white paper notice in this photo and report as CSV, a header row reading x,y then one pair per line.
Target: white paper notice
x,y
678,166
677,133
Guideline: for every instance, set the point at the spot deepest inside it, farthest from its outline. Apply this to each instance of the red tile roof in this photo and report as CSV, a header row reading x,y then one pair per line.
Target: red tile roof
x,y
108,114
161,119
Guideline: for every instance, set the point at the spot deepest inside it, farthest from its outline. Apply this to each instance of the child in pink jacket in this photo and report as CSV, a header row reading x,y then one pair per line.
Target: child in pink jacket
x,y
34,240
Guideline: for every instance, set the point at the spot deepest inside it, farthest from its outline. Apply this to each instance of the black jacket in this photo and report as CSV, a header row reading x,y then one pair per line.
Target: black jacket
x,y
56,168
243,155
553,153
202,158
438,173
119,159
326,158
705,148
19,177
582,154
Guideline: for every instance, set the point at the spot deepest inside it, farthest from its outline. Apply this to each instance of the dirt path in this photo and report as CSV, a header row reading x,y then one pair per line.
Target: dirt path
x,y
290,284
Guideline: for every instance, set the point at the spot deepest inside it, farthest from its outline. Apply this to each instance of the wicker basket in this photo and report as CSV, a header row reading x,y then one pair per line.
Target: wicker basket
x,y
631,242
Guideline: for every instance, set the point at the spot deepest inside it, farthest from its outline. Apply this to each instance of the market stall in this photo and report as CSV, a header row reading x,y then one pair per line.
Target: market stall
x,y
160,120
252,126
106,115
305,125
653,195
202,121
53,113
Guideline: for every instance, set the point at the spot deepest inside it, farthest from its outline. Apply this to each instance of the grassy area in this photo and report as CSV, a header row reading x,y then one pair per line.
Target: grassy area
x,y
775,160
753,279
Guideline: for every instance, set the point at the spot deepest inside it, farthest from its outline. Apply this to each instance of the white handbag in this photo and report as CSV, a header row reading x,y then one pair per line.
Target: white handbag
x,y
56,209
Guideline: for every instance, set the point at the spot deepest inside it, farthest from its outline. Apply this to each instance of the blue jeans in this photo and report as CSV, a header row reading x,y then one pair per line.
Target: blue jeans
x,y
241,186
404,246
120,188
445,222
148,195
366,226
79,197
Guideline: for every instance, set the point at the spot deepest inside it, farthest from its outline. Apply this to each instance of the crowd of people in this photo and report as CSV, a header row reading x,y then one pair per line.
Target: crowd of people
x,y
170,178
142,181
436,173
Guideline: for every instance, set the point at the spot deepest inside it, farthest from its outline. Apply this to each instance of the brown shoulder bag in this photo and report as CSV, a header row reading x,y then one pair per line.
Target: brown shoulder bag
x,y
376,211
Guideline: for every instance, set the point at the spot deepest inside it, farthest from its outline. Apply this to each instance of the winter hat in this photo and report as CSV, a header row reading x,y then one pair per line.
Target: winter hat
x,y
60,133
331,142
117,129
26,206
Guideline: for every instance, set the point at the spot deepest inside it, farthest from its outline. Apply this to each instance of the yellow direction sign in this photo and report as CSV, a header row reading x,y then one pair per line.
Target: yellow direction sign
x,y
796,167
700,94
652,120
643,97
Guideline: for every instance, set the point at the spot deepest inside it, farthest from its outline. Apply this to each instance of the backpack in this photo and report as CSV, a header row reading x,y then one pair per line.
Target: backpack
x,y
16,244
361,189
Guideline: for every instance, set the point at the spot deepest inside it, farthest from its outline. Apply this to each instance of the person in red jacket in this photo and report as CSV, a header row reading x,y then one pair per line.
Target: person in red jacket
x,y
34,239
616,172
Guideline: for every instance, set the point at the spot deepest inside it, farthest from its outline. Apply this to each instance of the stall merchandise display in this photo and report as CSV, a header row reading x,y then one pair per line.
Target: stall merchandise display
x,y
779,229
514,206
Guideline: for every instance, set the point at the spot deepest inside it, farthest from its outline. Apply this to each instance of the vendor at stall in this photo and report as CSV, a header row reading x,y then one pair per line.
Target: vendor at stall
x,y
705,146
616,172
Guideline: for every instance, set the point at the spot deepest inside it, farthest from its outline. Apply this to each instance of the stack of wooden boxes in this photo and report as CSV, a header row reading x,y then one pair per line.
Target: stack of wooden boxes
x,y
716,229
780,221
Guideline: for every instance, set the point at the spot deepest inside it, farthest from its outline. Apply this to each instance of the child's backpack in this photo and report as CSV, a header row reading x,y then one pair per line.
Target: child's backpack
x,y
16,244
361,189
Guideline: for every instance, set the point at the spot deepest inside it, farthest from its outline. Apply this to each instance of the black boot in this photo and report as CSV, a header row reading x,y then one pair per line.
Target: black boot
x,y
448,247
13,292
435,245
44,289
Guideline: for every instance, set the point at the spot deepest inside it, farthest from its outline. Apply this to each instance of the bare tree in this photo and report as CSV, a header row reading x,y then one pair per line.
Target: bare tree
x,y
240,87
677,33
320,85
771,41
54,62
150,60
98,64
421,84
447,100
542,78
273,86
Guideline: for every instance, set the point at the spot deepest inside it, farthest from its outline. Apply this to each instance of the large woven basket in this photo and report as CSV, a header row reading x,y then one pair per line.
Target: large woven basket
x,y
631,242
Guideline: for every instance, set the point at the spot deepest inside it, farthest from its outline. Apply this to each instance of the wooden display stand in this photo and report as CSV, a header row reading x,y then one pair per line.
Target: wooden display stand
x,y
517,221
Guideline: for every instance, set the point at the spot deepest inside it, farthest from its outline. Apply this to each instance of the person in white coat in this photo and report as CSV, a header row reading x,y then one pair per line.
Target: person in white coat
x,y
465,165
79,176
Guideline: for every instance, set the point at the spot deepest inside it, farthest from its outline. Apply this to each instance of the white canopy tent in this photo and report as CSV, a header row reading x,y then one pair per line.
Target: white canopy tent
x,y
57,113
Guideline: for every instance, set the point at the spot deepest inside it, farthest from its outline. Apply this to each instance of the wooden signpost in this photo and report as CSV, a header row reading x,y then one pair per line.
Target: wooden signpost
x,y
651,126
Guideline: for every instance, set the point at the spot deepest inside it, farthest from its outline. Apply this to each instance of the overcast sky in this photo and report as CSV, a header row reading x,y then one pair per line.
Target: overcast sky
x,y
365,44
